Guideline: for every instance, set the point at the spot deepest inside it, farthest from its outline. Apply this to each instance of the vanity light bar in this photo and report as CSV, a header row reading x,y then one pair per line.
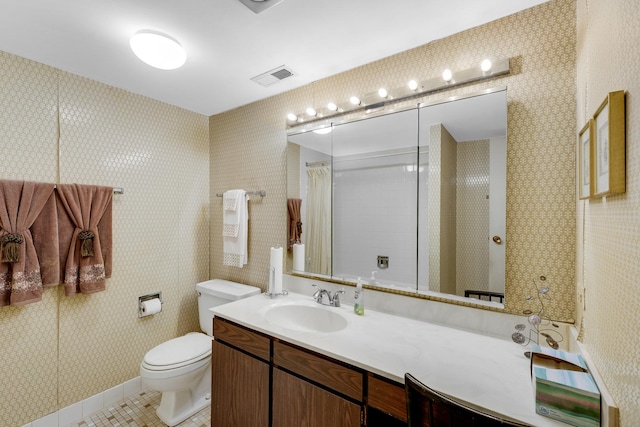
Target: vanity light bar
x,y
377,101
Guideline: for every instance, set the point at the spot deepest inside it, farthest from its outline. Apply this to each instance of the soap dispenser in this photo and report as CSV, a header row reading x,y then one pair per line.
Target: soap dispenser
x,y
372,279
358,306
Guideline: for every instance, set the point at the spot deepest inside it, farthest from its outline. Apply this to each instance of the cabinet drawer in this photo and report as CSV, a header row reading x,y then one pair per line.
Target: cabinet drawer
x,y
387,396
242,338
333,375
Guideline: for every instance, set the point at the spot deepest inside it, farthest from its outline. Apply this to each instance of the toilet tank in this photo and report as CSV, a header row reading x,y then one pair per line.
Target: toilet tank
x,y
216,292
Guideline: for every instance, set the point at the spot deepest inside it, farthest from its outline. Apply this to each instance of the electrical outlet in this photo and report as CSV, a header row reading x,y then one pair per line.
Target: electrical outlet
x,y
383,261
582,297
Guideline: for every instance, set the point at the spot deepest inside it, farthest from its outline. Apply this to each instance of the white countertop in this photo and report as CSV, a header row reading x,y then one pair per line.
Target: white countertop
x,y
485,371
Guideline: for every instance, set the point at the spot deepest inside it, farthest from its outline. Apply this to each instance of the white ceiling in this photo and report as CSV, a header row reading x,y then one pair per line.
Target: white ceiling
x,y
227,44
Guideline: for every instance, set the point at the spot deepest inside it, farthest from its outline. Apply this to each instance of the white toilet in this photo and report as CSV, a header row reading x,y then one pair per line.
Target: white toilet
x,y
181,368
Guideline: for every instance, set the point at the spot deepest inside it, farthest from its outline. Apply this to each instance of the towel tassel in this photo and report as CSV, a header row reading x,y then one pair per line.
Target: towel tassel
x,y
11,247
87,243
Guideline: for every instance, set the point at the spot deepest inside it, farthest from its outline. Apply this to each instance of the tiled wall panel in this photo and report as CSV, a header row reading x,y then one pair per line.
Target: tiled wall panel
x,y
248,151
376,201
65,349
608,228
28,150
160,155
472,222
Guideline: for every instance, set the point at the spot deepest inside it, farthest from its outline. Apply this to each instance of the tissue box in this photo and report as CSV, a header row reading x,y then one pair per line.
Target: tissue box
x,y
563,387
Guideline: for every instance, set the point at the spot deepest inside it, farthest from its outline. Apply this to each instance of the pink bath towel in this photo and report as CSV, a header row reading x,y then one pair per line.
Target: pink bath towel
x,y
84,222
28,241
295,223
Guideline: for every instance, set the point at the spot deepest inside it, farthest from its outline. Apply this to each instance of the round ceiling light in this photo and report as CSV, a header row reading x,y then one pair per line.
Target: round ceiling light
x,y
158,49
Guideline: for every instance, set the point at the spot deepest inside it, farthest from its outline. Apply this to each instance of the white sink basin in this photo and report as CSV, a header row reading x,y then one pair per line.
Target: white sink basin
x,y
306,318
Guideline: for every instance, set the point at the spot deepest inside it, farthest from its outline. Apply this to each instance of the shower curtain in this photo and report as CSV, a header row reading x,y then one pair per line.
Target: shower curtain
x,y
318,239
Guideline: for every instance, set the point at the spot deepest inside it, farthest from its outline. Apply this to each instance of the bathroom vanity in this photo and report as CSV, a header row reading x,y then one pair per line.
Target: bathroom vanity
x,y
292,362
305,385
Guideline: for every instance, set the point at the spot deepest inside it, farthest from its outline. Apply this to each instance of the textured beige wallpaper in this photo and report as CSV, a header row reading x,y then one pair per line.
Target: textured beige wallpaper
x,y
609,228
249,144
248,151
472,216
65,349
442,194
448,205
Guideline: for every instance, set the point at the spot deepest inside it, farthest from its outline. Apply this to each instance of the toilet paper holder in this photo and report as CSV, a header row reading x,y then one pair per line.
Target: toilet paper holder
x,y
147,297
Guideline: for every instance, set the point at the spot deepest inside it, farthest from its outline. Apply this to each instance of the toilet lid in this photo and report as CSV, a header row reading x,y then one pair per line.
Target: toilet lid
x,y
178,352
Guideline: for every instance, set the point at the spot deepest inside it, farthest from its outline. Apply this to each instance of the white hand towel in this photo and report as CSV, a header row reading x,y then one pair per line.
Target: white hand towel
x,y
230,214
235,247
230,199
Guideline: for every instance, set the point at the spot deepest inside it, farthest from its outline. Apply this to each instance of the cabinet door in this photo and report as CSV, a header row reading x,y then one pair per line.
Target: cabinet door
x,y
297,403
387,397
239,389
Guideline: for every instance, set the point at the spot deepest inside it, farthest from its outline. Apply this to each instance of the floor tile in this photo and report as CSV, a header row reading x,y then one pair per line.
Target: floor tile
x,y
139,410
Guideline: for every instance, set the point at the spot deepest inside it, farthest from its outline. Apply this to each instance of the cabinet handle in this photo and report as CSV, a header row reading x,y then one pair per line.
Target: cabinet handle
x,y
497,240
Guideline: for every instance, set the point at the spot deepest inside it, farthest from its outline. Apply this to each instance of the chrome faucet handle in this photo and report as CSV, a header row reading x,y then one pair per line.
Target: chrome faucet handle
x,y
321,296
317,292
335,300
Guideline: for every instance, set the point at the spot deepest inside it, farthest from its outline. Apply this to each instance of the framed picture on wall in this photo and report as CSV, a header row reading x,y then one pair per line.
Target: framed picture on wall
x,y
608,167
585,138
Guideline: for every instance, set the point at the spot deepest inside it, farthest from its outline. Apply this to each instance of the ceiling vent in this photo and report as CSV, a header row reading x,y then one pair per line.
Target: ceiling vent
x,y
259,6
274,76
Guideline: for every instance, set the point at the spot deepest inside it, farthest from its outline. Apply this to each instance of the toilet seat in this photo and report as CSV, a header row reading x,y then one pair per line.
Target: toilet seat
x,y
178,352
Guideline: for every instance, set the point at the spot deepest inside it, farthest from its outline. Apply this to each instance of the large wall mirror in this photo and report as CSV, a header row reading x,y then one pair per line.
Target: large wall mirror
x,y
413,200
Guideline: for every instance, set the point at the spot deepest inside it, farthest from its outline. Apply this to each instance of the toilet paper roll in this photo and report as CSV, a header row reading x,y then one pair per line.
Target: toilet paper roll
x,y
298,256
151,306
275,271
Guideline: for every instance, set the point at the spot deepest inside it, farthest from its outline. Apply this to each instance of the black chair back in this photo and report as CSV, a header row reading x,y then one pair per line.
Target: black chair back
x,y
429,408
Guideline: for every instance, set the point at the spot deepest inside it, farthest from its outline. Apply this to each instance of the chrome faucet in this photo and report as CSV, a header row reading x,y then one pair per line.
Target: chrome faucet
x,y
323,296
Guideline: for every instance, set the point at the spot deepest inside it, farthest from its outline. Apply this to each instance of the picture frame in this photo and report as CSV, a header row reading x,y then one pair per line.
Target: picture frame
x,y
585,160
608,173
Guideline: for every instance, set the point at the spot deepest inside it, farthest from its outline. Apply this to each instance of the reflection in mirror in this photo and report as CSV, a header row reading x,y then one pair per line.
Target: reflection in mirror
x,y
462,201
374,199
309,179
411,200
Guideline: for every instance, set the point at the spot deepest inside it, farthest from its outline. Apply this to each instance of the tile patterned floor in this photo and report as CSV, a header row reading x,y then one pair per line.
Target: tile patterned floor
x,y
139,410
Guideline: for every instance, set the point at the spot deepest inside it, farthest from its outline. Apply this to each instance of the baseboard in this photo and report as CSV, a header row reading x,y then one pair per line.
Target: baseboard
x,y
89,406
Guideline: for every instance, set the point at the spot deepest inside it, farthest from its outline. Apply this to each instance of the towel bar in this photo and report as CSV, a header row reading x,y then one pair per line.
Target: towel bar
x,y
116,190
260,193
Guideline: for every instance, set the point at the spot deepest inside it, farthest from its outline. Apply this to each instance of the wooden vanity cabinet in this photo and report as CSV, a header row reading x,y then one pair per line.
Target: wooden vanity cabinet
x,y
310,390
260,381
240,375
